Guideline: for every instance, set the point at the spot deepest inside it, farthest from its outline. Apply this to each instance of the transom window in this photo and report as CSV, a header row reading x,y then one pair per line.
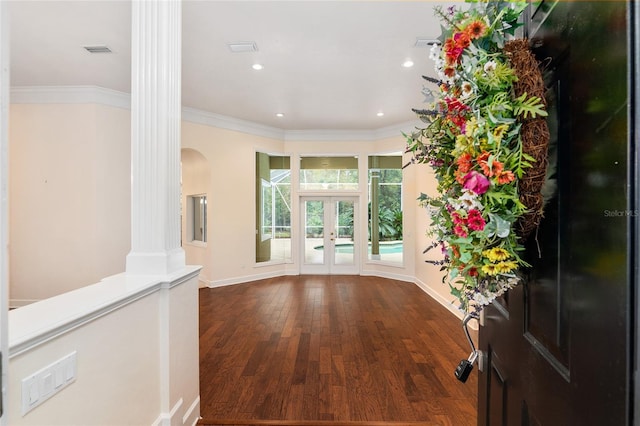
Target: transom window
x,y
329,173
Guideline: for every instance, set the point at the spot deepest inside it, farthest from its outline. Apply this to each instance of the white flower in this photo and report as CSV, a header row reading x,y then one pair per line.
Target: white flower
x,y
467,90
467,201
482,299
451,80
435,52
490,66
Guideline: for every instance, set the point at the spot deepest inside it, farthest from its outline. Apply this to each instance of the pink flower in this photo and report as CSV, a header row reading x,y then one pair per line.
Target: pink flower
x,y
457,219
460,231
476,182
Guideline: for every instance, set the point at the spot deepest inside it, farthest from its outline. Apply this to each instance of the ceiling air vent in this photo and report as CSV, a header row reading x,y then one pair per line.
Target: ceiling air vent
x,y
243,46
97,49
426,42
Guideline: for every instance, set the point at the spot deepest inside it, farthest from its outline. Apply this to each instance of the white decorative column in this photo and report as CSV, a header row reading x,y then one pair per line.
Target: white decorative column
x,y
156,43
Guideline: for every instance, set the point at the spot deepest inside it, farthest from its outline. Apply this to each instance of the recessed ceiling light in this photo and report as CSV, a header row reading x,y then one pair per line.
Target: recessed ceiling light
x,y
380,114
257,67
408,63
279,114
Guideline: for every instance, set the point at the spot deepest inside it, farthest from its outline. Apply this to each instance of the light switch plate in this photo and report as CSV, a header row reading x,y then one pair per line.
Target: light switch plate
x,y
46,382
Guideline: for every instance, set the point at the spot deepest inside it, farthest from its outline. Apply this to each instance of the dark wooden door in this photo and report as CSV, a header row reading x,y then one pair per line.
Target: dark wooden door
x,y
557,349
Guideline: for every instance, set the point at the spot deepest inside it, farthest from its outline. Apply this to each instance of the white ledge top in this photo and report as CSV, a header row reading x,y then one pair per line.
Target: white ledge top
x,y
39,322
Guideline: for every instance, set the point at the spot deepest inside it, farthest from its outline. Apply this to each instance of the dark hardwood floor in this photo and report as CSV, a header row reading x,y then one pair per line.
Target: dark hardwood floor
x,y
334,350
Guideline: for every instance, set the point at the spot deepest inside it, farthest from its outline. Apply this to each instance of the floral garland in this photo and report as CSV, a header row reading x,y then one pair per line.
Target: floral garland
x,y
473,142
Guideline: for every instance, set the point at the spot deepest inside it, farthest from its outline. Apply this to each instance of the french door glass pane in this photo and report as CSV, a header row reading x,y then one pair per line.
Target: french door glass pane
x,y
343,247
313,232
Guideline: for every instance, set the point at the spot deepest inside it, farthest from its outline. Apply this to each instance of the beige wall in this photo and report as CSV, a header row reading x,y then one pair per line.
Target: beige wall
x,y
429,276
230,252
196,178
69,197
63,235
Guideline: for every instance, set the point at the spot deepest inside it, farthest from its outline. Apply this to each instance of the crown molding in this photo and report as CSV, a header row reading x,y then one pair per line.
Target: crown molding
x,y
69,95
329,135
225,122
114,98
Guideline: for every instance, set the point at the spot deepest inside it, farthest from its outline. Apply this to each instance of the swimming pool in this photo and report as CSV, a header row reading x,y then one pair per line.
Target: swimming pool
x,y
385,248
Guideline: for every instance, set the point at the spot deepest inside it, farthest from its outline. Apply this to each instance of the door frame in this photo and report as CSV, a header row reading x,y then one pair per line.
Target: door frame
x,y
329,267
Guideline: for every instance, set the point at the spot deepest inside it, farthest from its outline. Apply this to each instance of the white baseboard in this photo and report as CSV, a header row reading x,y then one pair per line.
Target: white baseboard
x,y
389,275
445,302
247,278
192,415
167,419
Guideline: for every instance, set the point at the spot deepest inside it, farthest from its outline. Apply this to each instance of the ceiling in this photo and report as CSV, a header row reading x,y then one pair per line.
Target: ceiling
x,y
328,65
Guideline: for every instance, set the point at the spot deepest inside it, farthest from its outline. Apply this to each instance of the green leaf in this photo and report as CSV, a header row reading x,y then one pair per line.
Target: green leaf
x,y
532,106
497,226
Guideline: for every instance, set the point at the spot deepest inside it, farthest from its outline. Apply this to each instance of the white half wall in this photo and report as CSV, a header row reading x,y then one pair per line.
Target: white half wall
x,y
136,342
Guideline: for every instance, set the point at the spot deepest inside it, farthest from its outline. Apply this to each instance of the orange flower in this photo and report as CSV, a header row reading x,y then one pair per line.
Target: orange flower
x,y
464,162
482,158
489,171
460,176
496,168
476,29
505,177
462,40
449,71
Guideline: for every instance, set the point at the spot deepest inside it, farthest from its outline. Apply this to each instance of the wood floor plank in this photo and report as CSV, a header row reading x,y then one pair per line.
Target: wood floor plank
x,y
331,350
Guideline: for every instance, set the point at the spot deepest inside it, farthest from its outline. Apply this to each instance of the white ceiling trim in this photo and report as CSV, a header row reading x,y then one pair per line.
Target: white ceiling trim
x,y
222,121
114,98
351,135
69,95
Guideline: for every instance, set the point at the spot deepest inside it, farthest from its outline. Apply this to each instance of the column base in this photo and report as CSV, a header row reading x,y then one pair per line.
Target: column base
x,y
156,263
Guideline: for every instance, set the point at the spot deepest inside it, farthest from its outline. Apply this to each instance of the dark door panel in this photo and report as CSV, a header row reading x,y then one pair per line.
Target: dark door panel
x,y
558,351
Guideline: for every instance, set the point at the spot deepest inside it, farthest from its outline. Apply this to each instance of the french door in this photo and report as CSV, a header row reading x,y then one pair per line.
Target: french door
x,y
329,241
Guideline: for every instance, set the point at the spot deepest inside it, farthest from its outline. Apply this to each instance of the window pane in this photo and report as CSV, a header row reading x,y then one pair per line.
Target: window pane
x,y
273,208
385,208
197,213
329,173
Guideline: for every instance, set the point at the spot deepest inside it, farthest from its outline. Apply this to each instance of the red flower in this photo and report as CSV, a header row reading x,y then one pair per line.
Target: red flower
x,y
459,121
475,220
452,51
457,219
460,231
462,40
454,104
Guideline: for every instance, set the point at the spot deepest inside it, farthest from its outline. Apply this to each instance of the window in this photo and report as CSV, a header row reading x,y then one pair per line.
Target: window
x,y
197,214
385,208
329,173
273,208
